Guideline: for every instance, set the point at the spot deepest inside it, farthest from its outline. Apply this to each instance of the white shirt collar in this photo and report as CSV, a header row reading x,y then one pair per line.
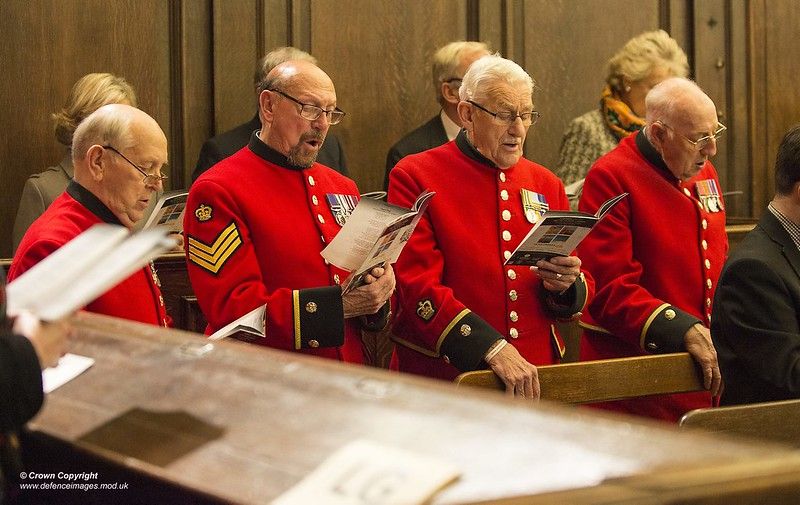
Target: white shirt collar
x,y
451,129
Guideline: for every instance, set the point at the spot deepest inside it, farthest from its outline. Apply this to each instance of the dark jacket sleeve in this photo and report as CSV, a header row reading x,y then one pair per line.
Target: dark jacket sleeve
x,y
342,160
209,156
391,160
21,393
755,322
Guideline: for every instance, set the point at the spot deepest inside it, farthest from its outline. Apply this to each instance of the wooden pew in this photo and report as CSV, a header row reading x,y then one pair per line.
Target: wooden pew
x,y
775,421
235,423
606,380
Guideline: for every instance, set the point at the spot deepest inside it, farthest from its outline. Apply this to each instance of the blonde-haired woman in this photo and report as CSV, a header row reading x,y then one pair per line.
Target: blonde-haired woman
x,y
631,73
91,92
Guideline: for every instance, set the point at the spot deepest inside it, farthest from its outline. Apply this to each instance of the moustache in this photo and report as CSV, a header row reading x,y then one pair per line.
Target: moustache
x,y
312,135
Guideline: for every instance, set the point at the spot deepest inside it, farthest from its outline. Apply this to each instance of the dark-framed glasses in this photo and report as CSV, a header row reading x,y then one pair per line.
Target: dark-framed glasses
x,y
702,142
504,118
312,112
149,179
454,81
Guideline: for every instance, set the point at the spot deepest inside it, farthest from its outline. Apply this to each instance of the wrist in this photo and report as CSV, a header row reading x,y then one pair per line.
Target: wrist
x,y
495,349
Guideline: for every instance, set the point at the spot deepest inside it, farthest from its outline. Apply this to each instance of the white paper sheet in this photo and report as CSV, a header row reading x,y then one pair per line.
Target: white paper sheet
x,y
69,367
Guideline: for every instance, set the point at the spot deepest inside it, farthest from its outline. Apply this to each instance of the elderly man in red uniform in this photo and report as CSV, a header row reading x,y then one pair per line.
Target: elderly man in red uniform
x,y
461,308
118,153
257,221
657,255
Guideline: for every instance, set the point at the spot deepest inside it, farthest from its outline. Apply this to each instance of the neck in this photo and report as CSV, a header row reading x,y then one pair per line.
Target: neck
x,y
788,207
452,112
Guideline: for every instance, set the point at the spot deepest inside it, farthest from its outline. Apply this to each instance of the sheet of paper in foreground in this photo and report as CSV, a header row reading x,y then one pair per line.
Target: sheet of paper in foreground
x,y
69,367
364,473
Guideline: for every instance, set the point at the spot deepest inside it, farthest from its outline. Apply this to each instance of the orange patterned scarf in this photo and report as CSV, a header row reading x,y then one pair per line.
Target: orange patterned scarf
x,y
619,117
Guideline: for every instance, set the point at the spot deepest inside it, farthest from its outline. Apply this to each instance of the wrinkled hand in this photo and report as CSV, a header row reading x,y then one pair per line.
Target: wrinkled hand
x,y
370,297
519,376
698,343
558,273
49,340
179,238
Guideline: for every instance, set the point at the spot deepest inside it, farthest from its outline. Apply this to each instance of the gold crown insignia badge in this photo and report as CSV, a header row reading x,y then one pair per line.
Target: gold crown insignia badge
x,y
203,213
425,310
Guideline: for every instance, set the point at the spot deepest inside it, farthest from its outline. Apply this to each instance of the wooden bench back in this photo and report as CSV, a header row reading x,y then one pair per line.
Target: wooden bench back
x,y
775,421
606,380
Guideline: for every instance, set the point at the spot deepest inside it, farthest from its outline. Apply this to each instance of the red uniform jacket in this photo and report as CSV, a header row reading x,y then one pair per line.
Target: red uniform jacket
x,y
456,297
137,298
255,226
655,258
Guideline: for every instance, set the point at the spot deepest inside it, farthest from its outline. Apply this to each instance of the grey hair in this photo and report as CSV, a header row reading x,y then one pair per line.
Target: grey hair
x,y
274,58
108,125
489,70
642,54
446,60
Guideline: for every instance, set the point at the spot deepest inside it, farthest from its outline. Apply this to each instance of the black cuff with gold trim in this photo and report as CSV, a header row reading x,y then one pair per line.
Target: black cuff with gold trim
x,y
467,342
666,330
567,304
378,320
318,318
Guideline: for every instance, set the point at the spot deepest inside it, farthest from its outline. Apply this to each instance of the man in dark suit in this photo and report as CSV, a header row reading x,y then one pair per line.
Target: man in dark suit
x,y
225,144
756,324
450,63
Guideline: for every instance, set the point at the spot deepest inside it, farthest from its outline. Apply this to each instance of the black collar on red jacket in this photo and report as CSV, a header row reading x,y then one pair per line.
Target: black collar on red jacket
x,y
269,154
466,147
651,155
86,198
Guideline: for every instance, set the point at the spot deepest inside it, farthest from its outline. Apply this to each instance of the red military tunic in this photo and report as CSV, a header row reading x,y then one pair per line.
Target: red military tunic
x,y
456,297
255,226
655,258
137,298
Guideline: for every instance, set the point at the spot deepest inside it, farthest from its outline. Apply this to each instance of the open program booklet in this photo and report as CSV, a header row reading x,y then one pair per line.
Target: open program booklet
x,y
375,234
558,233
83,269
253,323
168,212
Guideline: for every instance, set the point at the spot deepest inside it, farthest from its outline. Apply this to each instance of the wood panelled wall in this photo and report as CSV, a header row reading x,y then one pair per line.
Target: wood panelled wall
x,y
191,62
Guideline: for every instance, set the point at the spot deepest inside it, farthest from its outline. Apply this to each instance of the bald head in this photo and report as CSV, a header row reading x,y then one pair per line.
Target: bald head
x,y
118,151
292,75
674,97
294,92
681,123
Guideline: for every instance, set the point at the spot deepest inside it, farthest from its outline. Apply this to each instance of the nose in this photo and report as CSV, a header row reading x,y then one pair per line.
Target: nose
x,y
710,149
518,127
154,184
322,122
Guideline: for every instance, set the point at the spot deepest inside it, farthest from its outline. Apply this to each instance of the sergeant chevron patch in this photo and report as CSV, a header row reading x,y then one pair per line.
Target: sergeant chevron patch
x,y
213,257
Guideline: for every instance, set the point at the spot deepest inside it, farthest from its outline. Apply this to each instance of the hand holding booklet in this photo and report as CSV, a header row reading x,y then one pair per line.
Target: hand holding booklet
x,y
168,212
374,235
558,233
83,269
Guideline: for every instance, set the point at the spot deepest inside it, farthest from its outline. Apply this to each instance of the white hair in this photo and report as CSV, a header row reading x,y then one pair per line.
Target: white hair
x,y
489,70
108,125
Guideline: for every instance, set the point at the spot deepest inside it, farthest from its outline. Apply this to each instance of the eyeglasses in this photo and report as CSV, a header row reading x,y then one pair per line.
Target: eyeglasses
x,y
702,142
508,118
149,179
453,80
312,112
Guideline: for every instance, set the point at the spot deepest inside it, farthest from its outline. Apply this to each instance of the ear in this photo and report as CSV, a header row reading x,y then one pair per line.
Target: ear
x,y
95,161
796,193
657,135
265,107
465,115
449,94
